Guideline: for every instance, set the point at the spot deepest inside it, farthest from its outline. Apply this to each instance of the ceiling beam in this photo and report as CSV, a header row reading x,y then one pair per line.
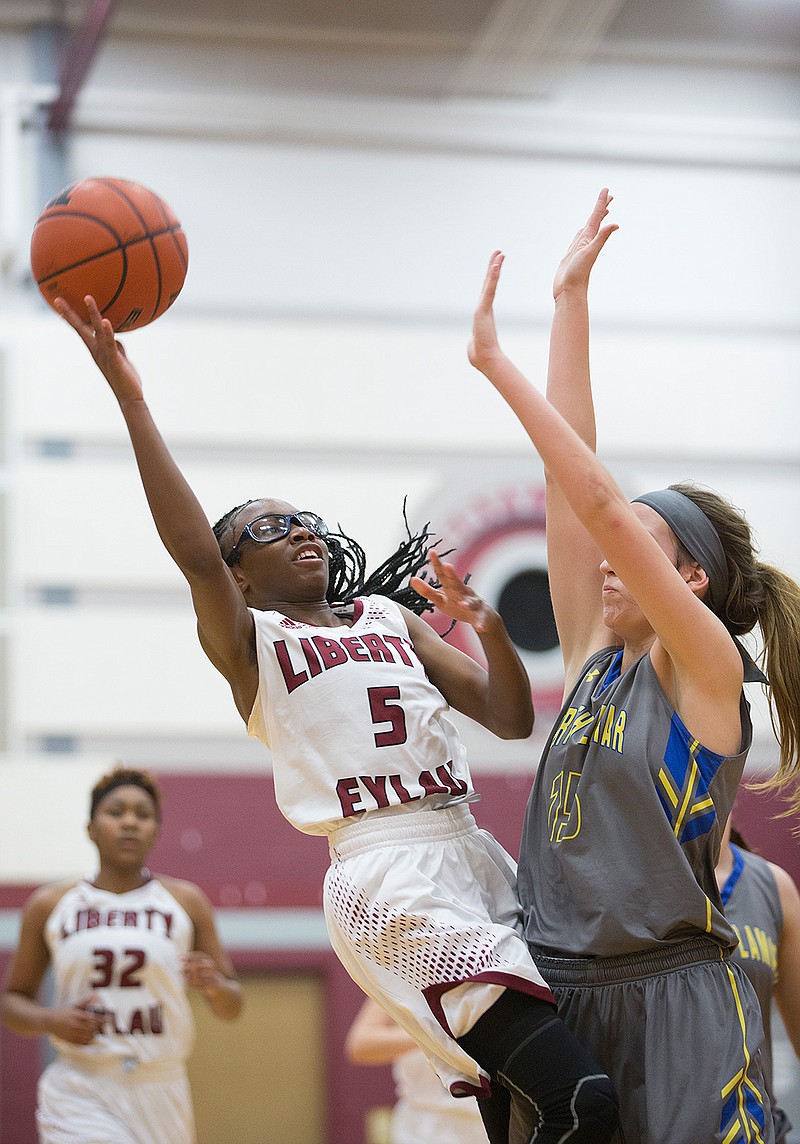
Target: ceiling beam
x,y
525,46
78,58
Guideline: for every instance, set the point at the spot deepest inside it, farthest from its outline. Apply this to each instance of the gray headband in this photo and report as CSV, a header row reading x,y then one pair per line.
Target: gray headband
x,y
697,535
701,540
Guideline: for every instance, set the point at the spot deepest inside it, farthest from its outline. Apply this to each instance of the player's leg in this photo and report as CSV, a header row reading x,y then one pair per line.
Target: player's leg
x,y
496,1114
558,1091
76,1108
161,1103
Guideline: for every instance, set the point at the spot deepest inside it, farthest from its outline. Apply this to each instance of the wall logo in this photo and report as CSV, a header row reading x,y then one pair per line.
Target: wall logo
x,y
498,538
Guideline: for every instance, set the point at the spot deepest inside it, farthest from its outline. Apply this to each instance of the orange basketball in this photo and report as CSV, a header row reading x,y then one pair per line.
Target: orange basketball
x,y
115,240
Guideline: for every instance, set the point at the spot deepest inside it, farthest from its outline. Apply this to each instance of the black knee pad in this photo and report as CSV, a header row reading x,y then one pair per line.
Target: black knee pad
x,y
596,1110
585,1113
559,1092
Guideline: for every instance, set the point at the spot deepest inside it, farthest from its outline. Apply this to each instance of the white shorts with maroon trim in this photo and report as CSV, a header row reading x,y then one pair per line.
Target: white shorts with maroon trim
x,y
422,911
107,1103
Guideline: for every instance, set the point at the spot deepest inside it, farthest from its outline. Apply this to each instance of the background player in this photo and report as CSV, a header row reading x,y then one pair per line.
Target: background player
x,y
424,1112
763,905
124,945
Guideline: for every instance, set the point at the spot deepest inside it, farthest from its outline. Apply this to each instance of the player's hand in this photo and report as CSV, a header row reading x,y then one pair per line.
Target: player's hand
x,y
200,972
109,354
576,265
453,597
78,1024
483,345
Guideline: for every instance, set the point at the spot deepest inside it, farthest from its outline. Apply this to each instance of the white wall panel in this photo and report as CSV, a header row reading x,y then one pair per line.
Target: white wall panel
x,y
276,229
108,671
366,388
15,57
86,523
43,816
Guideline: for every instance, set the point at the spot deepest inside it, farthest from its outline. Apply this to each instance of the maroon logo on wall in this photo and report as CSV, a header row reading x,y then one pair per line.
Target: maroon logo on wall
x,y
498,539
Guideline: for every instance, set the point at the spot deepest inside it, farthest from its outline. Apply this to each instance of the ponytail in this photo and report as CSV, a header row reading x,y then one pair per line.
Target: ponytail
x,y
759,594
779,620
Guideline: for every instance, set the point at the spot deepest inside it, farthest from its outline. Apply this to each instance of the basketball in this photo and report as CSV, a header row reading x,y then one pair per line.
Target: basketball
x,y
113,239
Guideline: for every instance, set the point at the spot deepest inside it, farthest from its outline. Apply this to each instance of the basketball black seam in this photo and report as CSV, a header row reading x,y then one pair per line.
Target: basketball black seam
x,y
72,213
123,277
113,186
122,246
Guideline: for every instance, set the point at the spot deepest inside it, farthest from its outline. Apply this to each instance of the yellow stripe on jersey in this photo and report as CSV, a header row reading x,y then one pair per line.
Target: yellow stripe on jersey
x,y
691,787
741,1082
733,1134
669,790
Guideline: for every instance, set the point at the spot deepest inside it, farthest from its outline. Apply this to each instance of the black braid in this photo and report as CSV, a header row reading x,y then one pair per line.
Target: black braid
x,y
221,527
347,564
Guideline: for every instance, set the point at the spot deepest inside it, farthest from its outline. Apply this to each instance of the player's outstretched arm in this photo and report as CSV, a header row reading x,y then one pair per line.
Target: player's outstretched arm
x,y
700,649
573,556
178,515
497,696
374,1038
568,376
224,622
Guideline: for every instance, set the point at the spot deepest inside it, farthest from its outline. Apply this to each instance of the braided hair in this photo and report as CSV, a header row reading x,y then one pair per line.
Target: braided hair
x,y
347,565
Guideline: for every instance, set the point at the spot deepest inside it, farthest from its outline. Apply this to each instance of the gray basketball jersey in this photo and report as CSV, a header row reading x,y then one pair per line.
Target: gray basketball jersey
x,y
623,825
753,907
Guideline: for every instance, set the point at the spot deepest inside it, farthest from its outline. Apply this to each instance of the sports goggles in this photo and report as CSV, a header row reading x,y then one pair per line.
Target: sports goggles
x,y
274,526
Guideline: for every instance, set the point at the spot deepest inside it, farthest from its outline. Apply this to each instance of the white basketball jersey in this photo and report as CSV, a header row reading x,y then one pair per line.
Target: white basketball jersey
x,y
124,951
353,722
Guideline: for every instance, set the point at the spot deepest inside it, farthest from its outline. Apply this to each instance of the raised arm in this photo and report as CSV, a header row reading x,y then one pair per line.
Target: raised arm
x,y
224,623
572,553
700,657
497,696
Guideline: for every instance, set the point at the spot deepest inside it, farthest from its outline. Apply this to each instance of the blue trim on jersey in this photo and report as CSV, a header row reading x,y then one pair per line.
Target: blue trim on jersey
x,y
734,876
613,673
691,769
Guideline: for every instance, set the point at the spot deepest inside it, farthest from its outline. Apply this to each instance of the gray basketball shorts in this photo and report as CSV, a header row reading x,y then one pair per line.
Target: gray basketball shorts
x,y
678,1029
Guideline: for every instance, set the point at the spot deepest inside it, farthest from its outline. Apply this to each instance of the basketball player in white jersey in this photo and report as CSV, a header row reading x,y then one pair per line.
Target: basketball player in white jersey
x,y
351,692
123,945
424,1111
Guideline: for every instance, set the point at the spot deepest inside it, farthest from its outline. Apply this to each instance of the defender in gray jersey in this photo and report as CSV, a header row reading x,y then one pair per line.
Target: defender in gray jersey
x,y
624,822
762,905
350,692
